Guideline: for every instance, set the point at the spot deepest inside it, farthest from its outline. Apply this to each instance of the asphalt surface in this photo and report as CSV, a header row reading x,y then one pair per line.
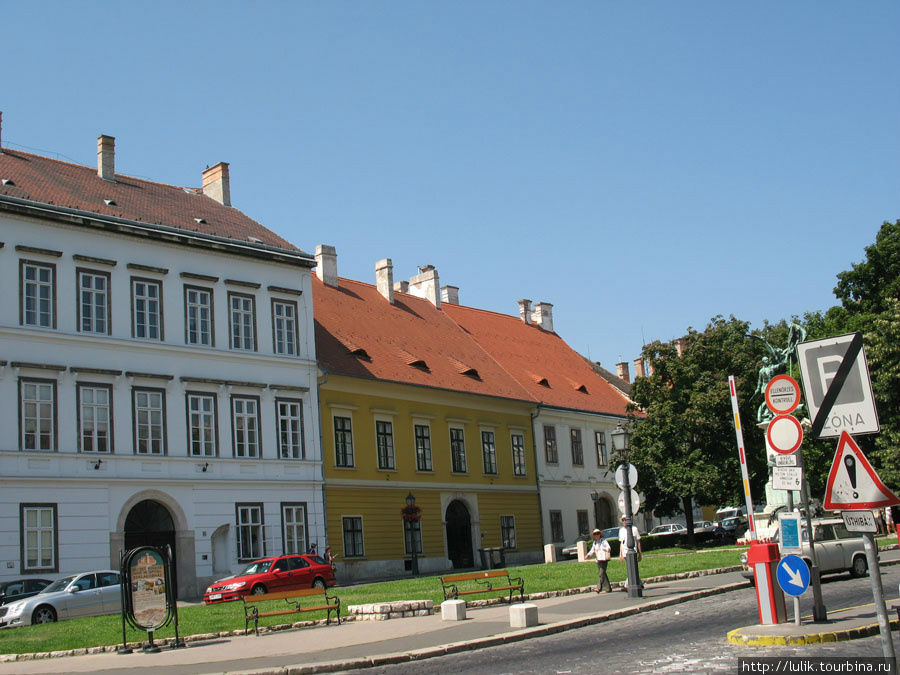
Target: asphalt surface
x,y
364,644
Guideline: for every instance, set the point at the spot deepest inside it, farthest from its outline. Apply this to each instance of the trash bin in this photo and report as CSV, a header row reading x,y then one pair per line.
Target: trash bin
x,y
485,560
498,557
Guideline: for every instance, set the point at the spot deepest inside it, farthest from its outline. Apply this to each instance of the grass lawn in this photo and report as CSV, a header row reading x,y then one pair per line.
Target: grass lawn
x,y
107,630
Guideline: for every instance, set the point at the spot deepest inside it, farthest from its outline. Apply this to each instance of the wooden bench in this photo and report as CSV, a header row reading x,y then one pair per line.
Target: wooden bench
x,y
485,583
322,602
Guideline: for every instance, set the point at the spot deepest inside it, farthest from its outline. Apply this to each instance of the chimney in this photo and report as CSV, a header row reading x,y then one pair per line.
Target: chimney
x,y
401,286
450,294
326,265
622,371
525,310
543,315
106,157
639,368
216,183
384,278
680,346
426,285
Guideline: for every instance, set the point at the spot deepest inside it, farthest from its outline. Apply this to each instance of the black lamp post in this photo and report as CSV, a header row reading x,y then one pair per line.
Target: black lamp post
x,y
620,440
411,520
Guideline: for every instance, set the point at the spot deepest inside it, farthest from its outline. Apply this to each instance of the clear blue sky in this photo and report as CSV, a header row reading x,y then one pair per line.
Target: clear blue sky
x,y
643,166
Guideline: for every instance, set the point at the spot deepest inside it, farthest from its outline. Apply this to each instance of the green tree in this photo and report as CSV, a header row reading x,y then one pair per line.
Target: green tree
x,y
683,438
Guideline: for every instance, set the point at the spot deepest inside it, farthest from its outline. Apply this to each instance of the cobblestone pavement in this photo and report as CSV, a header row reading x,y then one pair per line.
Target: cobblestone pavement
x,y
687,638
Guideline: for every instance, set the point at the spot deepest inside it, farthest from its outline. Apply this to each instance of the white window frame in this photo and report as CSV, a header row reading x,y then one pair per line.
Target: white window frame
x,y
348,450
504,541
385,454
96,300
519,462
551,445
249,519
453,452
285,336
41,536
37,419
147,430
362,537
145,308
600,446
424,457
291,443
93,414
202,409
199,319
242,321
245,427
36,291
293,528
489,452
576,439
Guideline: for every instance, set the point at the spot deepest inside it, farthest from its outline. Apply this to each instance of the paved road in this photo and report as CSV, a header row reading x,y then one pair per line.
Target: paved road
x,y
688,638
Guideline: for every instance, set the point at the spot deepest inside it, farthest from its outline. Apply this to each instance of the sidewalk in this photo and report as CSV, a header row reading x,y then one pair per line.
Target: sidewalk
x,y
361,644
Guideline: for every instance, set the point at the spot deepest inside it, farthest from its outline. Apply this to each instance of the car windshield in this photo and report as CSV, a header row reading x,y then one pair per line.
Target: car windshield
x,y
257,567
58,585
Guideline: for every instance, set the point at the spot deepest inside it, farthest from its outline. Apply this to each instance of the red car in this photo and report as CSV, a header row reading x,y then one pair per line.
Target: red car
x,y
270,575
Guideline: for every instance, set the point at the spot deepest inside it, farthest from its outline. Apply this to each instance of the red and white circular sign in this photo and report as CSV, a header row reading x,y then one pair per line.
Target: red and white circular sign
x,y
784,434
782,394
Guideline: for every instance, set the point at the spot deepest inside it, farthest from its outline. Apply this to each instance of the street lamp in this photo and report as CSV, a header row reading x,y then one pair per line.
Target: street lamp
x,y
621,442
411,515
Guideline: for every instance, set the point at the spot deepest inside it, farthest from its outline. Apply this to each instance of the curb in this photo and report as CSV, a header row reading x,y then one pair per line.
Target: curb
x,y
490,641
736,638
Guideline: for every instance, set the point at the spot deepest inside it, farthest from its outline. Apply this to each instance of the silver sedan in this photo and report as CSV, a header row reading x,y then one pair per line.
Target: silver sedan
x,y
86,594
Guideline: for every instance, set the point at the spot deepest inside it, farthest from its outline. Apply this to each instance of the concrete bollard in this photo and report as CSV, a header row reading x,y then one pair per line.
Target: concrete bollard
x,y
549,553
523,615
453,610
582,547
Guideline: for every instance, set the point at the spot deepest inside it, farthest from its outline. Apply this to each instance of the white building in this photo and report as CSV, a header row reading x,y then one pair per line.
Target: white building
x,y
157,375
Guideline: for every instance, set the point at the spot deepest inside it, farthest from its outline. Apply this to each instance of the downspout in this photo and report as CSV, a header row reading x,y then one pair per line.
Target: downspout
x,y
322,451
537,481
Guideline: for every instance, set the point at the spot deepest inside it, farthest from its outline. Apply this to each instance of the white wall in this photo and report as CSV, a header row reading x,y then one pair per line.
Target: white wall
x,y
90,501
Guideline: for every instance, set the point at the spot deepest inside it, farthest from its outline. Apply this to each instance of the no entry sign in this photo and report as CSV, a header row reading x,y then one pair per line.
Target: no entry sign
x,y
784,434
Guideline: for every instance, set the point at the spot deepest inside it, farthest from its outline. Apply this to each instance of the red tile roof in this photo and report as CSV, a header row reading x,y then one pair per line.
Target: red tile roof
x,y
360,334
542,363
73,186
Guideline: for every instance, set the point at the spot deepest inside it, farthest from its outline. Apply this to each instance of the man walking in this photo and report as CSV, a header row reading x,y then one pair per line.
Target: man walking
x,y
601,551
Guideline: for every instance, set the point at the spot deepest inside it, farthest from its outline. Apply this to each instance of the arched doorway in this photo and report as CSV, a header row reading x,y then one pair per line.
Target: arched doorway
x,y
603,514
459,535
149,523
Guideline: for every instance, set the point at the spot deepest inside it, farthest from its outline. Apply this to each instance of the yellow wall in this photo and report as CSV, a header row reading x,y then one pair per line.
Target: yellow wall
x,y
377,495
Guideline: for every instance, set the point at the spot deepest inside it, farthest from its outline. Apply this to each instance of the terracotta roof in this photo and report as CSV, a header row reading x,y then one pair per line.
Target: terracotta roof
x,y
49,181
360,334
543,364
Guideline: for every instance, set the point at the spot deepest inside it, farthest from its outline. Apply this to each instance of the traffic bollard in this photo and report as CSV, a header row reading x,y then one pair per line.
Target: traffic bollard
x,y
763,559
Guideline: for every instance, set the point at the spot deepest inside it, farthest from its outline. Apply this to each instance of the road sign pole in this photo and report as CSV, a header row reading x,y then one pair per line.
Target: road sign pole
x,y
887,645
820,614
796,610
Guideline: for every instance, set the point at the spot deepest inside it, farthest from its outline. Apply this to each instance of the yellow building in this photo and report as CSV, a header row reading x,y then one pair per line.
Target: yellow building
x,y
411,406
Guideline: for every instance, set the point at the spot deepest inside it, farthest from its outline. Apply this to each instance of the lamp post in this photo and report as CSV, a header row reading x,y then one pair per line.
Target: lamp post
x,y
620,440
411,520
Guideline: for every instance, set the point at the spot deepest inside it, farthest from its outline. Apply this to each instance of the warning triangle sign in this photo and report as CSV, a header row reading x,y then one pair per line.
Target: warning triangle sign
x,y
852,482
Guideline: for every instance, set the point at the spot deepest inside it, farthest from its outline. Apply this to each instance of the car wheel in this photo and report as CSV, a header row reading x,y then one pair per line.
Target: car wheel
x,y
44,614
259,589
860,567
319,583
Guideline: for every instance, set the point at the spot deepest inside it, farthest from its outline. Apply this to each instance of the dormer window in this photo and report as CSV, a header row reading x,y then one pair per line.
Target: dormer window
x,y
543,382
110,202
8,181
200,221
421,365
582,389
361,354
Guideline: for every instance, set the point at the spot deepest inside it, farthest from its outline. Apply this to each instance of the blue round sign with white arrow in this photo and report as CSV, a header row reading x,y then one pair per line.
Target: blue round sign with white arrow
x,y
793,575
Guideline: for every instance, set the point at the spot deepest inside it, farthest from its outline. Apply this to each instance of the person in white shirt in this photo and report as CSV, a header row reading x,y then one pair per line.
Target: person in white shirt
x,y
602,553
623,542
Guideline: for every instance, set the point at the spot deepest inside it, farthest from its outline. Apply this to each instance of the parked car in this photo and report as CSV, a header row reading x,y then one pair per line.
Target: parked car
x,y
611,533
670,528
86,594
270,575
704,526
571,551
19,589
837,549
